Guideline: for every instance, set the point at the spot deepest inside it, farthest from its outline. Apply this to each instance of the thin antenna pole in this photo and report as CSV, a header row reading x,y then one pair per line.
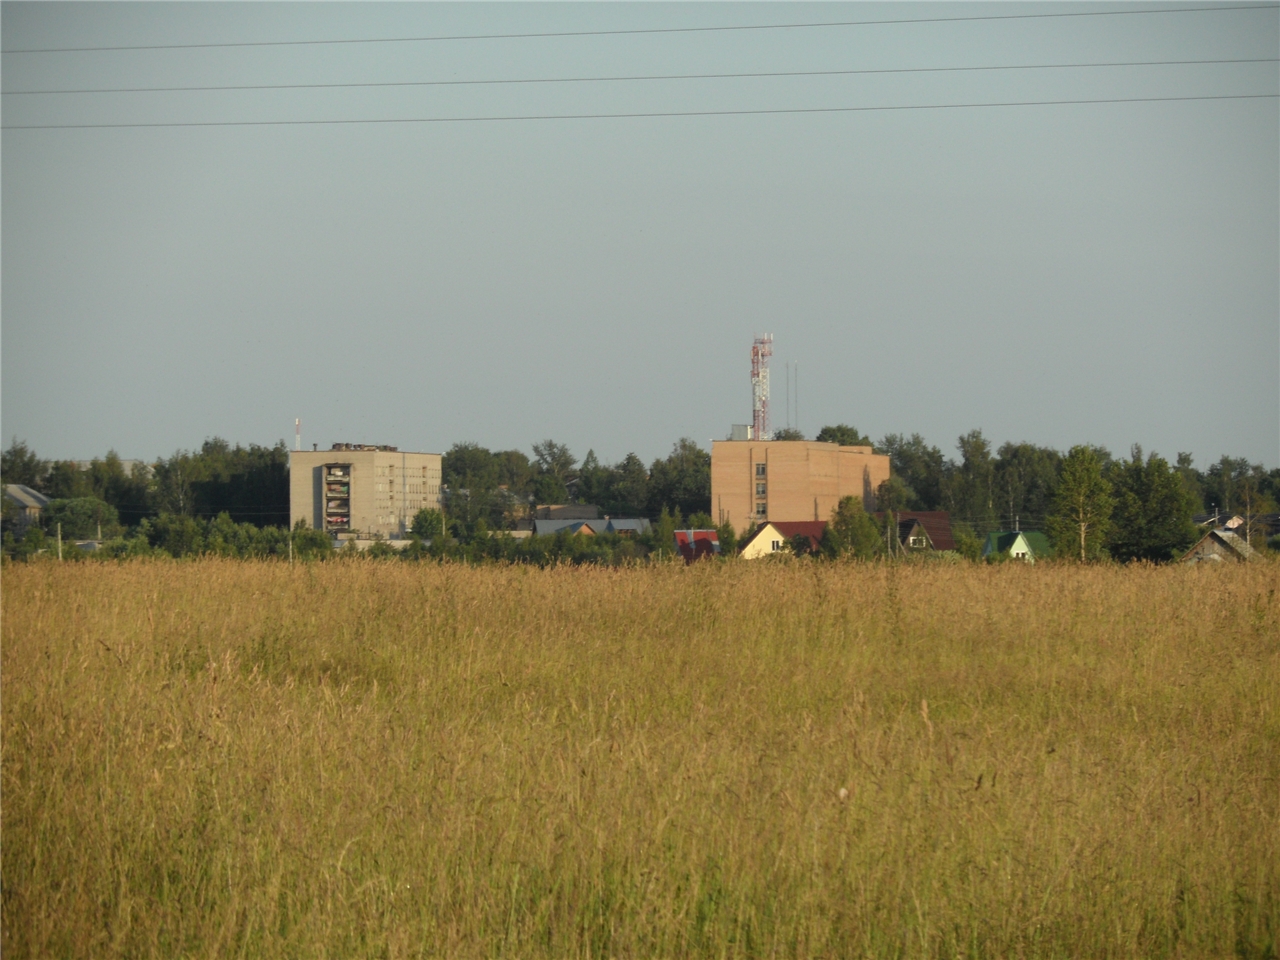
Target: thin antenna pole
x,y
788,367
797,394
297,433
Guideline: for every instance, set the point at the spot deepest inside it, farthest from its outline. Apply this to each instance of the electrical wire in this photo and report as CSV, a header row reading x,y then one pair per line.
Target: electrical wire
x,y
630,116
639,31
686,76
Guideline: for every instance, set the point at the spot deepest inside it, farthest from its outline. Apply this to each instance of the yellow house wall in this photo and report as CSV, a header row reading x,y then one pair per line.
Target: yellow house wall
x,y
762,545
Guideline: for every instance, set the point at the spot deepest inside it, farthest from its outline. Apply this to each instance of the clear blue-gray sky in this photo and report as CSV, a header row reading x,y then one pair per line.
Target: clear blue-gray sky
x,y
1068,273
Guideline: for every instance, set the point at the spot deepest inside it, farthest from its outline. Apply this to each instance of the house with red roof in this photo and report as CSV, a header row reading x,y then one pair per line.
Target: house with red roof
x,y
777,536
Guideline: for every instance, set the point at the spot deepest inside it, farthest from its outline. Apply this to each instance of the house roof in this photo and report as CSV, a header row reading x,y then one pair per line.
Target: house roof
x,y
622,524
696,544
813,529
936,523
1038,543
1227,541
1003,540
24,496
545,528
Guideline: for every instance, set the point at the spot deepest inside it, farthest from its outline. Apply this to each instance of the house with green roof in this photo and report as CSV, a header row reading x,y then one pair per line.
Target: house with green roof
x,y
1024,545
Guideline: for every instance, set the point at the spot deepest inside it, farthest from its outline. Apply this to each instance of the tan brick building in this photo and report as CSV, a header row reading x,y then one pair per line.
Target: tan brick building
x,y
787,480
362,489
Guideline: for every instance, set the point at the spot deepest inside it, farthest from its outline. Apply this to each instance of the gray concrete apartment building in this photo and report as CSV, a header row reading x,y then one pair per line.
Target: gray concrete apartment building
x,y
362,489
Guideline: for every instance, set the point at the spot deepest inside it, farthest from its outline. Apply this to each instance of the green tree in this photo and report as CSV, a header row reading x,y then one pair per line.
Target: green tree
x,y
892,497
310,544
548,488
968,543
1192,479
1026,477
682,481
515,472
1152,516
470,472
176,535
81,518
19,464
1221,486
1254,501
66,481
921,467
664,532
851,532
973,484
787,433
728,538
428,524
555,472
128,491
1081,511
171,488
628,488
844,435
554,459
593,480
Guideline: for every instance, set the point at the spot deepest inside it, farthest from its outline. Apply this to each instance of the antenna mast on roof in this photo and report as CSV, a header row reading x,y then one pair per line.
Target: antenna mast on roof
x,y
761,351
297,433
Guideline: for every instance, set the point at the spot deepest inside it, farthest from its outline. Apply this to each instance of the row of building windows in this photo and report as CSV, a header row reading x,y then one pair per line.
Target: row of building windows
x,y
389,470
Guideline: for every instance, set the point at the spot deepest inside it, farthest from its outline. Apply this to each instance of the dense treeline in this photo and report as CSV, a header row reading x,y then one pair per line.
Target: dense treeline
x,y
491,490
234,500
250,484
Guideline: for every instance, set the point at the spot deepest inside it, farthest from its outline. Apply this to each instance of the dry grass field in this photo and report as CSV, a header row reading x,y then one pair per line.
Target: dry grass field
x,y
364,759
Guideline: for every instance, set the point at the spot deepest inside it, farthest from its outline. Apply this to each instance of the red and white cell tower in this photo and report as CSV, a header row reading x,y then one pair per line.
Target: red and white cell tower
x,y
761,351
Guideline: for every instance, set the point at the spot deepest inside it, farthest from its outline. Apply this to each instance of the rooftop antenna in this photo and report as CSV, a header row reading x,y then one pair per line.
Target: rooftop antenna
x,y
297,433
761,351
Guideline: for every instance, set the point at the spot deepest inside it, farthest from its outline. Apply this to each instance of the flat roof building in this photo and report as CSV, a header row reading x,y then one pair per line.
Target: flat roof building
x,y
757,480
362,489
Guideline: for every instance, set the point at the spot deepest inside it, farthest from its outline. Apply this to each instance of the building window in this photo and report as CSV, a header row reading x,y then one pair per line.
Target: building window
x,y
760,469
760,487
760,510
918,541
777,545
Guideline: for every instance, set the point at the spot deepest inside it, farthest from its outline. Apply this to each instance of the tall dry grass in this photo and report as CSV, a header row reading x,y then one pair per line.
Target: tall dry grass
x,y
225,758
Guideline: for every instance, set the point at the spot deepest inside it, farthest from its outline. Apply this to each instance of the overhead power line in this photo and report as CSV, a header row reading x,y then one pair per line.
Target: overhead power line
x,y
680,76
641,31
631,116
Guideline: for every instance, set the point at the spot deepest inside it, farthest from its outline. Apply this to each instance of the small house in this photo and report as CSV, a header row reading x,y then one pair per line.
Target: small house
x,y
626,527
27,504
1024,545
697,544
777,536
920,530
1218,546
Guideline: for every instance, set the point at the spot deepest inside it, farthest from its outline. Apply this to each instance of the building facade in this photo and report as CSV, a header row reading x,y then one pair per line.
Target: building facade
x,y
362,490
753,481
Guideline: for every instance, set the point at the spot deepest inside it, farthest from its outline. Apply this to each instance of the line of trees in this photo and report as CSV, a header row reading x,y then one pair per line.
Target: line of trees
x,y
250,484
1090,504
490,490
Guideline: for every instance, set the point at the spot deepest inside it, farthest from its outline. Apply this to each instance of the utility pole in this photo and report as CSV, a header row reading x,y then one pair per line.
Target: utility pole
x,y
59,540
